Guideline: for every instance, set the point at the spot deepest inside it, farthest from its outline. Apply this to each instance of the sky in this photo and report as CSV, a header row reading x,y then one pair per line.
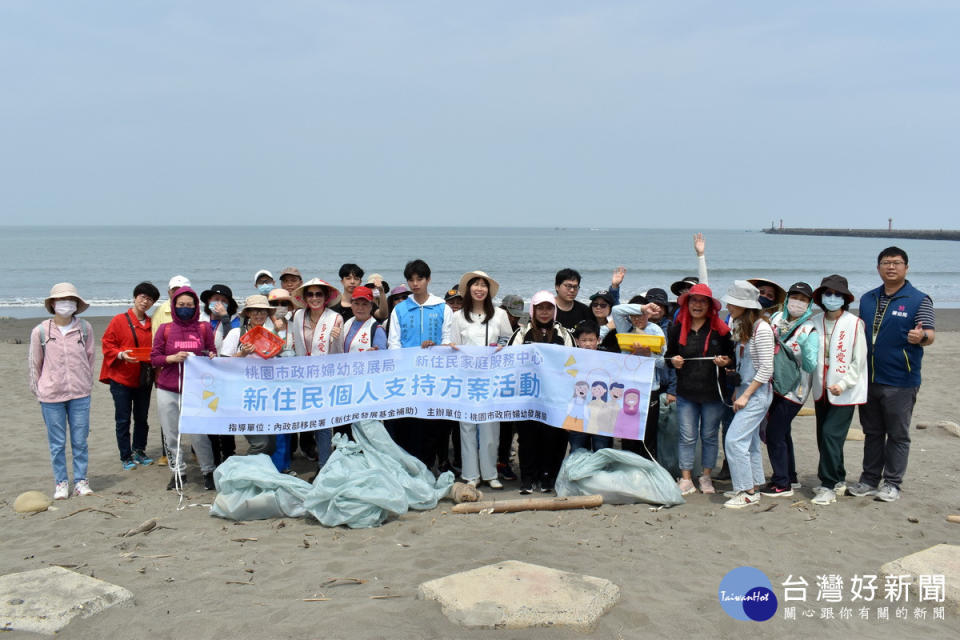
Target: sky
x,y
534,113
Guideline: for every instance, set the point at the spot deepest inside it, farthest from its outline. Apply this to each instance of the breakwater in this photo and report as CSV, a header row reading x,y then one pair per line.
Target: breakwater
x,y
914,234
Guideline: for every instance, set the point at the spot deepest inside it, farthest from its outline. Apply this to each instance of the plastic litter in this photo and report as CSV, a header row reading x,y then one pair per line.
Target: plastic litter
x,y
363,483
621,477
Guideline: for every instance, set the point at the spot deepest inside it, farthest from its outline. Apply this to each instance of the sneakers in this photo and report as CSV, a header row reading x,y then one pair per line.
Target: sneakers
x,y
128,464
840,488
887,493
141,458
824,496
208,483
685,485
526,490
163,461
82,488
546,488
773,491
861,489
61,491
796,485
742,499
706,485
495,484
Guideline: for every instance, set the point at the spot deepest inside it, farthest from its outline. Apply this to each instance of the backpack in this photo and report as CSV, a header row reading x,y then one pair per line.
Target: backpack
x,y
45,337
786,367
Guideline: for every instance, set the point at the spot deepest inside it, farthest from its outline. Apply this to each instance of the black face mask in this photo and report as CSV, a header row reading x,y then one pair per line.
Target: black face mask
x,y
766,303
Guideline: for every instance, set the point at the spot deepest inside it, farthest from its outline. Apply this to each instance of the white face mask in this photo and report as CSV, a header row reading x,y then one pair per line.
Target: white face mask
x,y
796,308
832,302
65,308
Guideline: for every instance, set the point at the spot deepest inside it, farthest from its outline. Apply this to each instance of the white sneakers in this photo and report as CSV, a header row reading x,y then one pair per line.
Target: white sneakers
x,y
62,491
824,496
82,488
743,499
685,485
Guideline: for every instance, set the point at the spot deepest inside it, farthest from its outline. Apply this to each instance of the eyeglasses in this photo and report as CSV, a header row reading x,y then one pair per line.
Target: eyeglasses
x,y
892,263
314,294
599,304
570,287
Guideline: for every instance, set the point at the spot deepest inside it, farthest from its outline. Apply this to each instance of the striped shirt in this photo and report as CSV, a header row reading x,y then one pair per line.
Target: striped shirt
x,y
925,314
761,351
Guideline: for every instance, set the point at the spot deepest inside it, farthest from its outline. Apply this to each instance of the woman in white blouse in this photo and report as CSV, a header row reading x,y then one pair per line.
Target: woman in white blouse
x,y
480,323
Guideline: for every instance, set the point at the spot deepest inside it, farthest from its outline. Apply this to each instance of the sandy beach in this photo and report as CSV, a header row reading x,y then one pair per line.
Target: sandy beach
x,y
211,578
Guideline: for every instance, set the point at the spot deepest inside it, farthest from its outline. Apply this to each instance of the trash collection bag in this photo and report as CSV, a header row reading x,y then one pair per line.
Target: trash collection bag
x,y
251,488
361,485
620,477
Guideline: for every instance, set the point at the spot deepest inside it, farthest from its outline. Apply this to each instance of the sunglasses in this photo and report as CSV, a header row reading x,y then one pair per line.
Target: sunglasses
x,y
314,294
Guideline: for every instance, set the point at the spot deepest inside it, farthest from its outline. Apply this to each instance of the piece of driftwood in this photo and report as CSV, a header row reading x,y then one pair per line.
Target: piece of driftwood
x,y
143,528
954,519
530,504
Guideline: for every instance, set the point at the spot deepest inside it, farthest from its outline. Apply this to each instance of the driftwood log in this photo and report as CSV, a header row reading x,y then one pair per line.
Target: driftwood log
x,y
530,504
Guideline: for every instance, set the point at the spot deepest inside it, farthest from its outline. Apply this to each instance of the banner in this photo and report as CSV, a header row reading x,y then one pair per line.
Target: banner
x,y
577,389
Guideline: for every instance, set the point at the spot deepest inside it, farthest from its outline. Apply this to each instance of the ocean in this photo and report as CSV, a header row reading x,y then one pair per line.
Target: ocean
x,y
105,263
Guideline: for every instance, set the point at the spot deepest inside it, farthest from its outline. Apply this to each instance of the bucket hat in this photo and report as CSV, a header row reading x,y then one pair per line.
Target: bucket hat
x,y
837,283
742,294
699,290
65,290
223,290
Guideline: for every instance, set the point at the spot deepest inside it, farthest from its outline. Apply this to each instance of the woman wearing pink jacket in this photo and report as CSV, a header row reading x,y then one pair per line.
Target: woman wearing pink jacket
x,y
61,377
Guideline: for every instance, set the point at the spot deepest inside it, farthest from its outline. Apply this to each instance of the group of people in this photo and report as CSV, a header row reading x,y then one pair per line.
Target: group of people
x,y
742,375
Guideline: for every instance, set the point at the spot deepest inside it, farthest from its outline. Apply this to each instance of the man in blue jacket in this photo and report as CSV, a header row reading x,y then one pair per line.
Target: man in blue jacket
x,y
899,321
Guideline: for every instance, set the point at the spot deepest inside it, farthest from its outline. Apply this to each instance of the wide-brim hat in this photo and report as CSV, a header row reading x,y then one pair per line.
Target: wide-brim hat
x,y
743,294
470,275
257,302
331,291
512,304
65,290
781,293
282,295
679,285
699,290
397,291
223,290
836,282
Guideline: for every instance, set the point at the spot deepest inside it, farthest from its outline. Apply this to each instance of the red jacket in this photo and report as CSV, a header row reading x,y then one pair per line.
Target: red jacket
x,y
117,338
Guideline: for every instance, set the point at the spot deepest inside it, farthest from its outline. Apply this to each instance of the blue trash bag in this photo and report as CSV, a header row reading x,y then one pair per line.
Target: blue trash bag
x,y
251,488
621,477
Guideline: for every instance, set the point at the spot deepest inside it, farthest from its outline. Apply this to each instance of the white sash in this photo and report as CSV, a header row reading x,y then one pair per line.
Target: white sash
x,y
323,342
841,359
363,340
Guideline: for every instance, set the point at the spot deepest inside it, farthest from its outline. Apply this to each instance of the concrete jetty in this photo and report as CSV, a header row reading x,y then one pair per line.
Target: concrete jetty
x,y
914,234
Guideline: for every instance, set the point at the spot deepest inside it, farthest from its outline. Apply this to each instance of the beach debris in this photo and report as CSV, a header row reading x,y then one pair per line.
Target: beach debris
x,y
248,583
316,599
517,595
32,502
386,597
531,504
954,518
144,527
46,600
922,425
913,520
464,492
339,582
855,434
243,539
769,507
88,509
950,427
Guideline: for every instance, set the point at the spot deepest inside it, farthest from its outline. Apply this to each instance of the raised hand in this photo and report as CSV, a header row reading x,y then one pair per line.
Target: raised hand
x,y
699,244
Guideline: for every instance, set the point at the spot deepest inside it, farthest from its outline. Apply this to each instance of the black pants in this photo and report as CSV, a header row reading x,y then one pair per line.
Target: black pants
x,y
506,441
127,402
649,448
885,419
223,447
542,449
780,442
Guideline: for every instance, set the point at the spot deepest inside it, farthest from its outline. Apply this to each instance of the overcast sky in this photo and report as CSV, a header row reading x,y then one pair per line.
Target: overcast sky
x,y
589,113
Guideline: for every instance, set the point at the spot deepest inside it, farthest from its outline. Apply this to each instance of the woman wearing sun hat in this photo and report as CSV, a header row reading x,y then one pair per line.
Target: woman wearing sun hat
x,y
480,323
839,382
61,378
698,348
316,329
753,342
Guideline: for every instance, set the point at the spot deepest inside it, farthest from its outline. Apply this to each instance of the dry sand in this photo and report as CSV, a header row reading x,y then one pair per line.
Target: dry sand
x,y
198,579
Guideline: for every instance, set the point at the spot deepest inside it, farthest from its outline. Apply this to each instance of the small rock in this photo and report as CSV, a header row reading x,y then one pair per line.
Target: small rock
x,y
951,427
913,520
32,502
923,425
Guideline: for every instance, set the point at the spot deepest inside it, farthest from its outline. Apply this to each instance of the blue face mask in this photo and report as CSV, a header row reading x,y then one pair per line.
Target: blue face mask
x,y
184,313
265,288
832,302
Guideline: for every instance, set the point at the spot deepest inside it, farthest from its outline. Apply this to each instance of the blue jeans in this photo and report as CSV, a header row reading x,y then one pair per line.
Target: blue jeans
x,y
588,441
324,442
56,415
742,444
129,401
698,419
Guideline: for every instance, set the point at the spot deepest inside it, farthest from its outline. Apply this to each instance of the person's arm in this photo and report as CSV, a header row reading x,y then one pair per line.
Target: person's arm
x,y
923,333
158,353
112,344
615,281
809,350
700,246
621,316
446,332
379,339
763,346
455,329
393,338
88,345
35,360
231,344
336,344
